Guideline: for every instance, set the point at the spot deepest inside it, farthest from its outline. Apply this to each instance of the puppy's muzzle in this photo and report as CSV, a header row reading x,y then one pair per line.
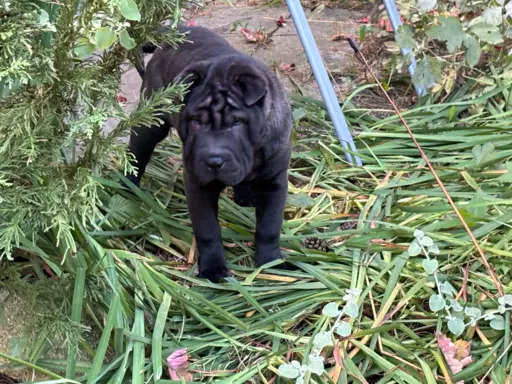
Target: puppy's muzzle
x,y
215,163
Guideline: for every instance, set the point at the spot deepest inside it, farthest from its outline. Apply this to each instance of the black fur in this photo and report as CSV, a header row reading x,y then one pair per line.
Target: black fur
x,y
235,127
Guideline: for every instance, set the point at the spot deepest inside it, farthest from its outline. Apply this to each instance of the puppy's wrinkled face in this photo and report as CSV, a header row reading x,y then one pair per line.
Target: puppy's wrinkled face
x,y
222,121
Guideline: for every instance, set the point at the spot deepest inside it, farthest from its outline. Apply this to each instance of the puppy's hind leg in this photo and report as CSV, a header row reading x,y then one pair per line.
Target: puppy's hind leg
x,y
143,141
244,196
270,203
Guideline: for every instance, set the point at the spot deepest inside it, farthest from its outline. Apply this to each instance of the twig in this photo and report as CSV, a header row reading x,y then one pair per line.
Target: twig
x,y
192,251
491,272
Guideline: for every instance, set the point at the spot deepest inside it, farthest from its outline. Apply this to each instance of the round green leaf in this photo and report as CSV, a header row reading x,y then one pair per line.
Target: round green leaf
x,y
105,37
426,241
414,249
456,306
426,5
405,37
354,292
331,310
433,249
418,234
456,326
493,15
472,312
129,9
125,39
436,303
44,18
430,266
316,364
322,339
505,300
299,380
84,48
473,54
344,329
498,323
487,32
288,371
447,289
351,309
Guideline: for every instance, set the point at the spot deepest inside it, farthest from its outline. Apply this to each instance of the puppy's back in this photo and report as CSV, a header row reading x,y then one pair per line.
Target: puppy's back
x,y
168,61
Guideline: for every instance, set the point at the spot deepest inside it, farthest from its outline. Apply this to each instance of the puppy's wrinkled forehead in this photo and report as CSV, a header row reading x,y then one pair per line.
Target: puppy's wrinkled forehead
x,y
215,108
224,84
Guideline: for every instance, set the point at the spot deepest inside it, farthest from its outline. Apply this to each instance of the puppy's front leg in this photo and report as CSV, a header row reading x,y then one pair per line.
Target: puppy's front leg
x,y
270,199
143,141
203,208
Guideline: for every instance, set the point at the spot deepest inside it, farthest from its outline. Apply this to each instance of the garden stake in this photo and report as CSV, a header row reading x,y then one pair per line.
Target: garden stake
x,y
394,19
362,59
317,65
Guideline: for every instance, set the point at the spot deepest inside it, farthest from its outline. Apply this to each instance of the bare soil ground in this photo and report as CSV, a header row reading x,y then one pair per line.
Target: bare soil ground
x,y
285,47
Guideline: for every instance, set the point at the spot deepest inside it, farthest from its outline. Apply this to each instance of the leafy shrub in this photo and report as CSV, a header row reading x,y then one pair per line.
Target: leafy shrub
x,y
56,92
450,38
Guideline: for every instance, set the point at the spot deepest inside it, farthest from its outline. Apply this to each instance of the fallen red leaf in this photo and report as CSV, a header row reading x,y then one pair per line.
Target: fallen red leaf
x,y
281,22
192,23
253,37
287,67
385,24
121,99
364,20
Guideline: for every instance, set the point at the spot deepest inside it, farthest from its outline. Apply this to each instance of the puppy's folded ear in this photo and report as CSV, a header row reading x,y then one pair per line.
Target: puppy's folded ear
x,y
249,81
193,73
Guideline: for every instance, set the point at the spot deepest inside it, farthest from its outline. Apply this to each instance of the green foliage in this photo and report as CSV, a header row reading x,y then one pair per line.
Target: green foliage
x,y
444,299
449,30
427,73
245,329
54,102
450,38
323,339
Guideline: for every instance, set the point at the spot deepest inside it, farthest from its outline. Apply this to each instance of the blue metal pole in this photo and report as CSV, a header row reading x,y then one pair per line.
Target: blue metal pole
x,y
317,65
394,18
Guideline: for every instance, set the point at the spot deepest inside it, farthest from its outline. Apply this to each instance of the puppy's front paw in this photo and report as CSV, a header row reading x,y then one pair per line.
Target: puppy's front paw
x,y
133,179
214,273
265,255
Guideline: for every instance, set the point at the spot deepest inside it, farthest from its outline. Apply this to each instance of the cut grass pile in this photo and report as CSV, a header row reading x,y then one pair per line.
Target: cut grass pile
x,y
132,278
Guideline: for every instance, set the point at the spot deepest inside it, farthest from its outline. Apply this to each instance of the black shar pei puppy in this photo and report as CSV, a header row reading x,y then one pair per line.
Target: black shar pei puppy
x,y
235,127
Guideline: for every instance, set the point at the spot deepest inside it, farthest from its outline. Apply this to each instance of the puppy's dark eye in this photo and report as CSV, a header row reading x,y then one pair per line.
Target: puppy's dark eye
x,y
237,122
195,124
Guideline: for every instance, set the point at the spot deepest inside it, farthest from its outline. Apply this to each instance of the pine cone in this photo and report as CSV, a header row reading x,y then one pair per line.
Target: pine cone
x,y
4,379
318,244
347,226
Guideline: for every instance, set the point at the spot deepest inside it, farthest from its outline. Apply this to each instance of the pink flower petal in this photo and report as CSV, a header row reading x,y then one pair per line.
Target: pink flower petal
x,y
456,354
178,364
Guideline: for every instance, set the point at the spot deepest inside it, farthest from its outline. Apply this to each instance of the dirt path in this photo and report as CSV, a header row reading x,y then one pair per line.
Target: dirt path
x,y
284,49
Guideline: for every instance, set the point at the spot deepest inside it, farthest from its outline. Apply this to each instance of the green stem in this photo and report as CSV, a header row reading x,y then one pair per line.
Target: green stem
x,y
32,366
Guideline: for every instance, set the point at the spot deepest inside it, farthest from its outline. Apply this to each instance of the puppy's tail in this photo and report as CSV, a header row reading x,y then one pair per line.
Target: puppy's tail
x,y
147,48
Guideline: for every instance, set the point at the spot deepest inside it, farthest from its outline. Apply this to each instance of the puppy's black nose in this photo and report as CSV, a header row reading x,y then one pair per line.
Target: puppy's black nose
x,y
215,162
